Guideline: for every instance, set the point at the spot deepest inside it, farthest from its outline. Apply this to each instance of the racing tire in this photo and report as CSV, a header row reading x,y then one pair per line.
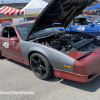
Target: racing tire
x,y
40,66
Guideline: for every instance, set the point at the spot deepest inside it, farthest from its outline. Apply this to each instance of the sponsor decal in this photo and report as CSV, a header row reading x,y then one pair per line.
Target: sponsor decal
x,y
6,44
80,28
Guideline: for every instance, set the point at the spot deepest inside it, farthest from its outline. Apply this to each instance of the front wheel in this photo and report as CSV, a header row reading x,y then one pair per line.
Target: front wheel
x,y
40,66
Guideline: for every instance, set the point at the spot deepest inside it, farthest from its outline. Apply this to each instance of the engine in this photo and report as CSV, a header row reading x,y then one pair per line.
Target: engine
x,y
65,42
62,42
69,42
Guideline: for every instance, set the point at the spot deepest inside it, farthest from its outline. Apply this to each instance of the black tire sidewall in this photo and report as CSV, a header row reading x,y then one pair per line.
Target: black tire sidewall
x,y
49,70
0,55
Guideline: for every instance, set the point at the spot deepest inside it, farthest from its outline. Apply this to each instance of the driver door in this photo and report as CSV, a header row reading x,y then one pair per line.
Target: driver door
x,y
10,49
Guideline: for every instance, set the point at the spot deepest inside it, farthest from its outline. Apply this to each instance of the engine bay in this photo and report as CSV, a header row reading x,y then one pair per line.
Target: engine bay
x,y
67,43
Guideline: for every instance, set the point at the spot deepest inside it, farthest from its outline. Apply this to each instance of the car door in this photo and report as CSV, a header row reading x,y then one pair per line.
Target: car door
x,y
11,48
93,29
4,41
83,25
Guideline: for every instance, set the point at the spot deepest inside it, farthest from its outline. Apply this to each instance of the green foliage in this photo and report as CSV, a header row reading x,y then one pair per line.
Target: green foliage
x,y
10,17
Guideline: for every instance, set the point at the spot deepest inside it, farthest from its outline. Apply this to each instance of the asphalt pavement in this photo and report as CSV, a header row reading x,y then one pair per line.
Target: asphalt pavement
x,y
16,78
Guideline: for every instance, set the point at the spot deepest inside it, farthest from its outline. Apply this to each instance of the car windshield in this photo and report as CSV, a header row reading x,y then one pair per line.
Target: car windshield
x,y
96,19
24,30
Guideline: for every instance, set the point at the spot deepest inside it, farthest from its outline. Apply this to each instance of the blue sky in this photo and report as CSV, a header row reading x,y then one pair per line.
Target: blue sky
x,y
16,1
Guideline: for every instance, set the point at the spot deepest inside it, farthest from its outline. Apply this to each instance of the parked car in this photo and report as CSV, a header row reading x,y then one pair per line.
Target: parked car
x,y
86,23
4,23
69,55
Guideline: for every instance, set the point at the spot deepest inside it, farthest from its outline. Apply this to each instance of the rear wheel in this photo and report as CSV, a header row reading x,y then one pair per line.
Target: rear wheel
x,y
0,55
40,66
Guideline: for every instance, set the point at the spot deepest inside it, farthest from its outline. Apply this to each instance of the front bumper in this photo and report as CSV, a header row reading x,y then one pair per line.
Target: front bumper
x,y
84,70
76,77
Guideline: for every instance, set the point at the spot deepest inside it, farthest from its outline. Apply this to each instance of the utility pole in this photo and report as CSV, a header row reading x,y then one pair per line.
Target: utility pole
x,y
2,1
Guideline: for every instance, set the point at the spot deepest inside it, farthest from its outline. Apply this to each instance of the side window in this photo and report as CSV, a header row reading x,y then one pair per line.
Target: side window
x,y
80,21
12,32
5,33
76,21
83,21
8,32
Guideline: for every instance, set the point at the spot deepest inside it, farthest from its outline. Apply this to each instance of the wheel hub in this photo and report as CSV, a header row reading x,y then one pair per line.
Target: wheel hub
x,y
39,68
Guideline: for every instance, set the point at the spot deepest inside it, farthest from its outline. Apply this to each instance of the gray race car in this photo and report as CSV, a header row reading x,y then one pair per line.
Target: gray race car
x,y
70,55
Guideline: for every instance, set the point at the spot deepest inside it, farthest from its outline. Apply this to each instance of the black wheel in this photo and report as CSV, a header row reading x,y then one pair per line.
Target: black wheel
x,y
0,55
40,66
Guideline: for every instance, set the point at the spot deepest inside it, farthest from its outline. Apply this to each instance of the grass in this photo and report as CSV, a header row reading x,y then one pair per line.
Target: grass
x,y
10,17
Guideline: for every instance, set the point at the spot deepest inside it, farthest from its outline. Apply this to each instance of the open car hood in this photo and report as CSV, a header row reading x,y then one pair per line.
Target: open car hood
x,y
59,13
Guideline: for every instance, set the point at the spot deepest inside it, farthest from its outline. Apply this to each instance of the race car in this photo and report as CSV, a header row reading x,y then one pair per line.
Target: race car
x,y
66,54
89,24
85,23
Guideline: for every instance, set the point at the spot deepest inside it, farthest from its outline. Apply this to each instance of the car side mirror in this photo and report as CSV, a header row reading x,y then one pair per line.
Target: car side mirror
x,y
91,24
14,39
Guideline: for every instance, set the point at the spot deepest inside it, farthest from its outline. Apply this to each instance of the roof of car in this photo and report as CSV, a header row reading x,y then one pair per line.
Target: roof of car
x,y
84,16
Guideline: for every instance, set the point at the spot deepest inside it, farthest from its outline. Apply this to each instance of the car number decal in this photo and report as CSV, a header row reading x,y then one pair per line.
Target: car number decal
x,y
80,28
6,44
